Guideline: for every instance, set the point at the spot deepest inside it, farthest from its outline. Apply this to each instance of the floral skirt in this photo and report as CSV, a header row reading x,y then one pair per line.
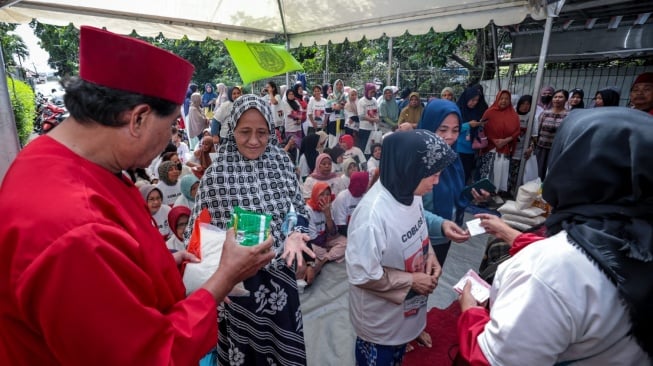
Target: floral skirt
x,y
264,328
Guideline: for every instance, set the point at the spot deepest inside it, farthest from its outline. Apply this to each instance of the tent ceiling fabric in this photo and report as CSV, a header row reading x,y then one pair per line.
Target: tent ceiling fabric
x,y
256,20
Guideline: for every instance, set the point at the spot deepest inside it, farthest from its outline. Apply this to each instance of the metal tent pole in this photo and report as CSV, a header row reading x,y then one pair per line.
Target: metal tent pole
x,y
9,144
538,81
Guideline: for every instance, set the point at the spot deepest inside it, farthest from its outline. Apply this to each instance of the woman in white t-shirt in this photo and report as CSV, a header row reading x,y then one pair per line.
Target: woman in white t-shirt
x,y
275,105
322,173
293,116
391,265
154,199
351,151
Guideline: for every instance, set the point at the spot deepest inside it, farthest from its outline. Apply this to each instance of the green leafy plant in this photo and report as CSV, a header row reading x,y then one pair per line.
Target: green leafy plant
x,y
22,102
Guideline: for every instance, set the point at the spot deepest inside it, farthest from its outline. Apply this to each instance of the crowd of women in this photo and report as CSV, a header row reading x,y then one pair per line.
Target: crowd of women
x,y
254,154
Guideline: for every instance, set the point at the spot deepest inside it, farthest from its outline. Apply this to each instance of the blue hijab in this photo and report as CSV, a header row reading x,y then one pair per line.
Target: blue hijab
x,y
447,193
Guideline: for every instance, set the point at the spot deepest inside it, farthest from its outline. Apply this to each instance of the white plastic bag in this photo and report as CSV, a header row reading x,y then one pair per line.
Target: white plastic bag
x,y
530,169
212,241
501,169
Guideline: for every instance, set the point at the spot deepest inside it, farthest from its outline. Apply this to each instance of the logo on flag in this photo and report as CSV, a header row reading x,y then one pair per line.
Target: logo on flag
x,y
266,57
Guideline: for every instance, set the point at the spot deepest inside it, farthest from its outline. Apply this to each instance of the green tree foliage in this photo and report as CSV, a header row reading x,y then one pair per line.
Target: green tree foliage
x,y
62,43
360,61
22,102
428,50
12,45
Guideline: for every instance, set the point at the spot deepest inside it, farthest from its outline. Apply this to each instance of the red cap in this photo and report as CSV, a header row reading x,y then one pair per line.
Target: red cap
x,y
129,64
646,77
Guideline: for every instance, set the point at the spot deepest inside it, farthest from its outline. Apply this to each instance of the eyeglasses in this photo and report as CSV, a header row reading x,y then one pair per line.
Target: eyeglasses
x,y
154,199
176,166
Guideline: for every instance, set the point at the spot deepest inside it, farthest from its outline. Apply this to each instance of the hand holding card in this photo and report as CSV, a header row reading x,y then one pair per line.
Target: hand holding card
x,y
480,288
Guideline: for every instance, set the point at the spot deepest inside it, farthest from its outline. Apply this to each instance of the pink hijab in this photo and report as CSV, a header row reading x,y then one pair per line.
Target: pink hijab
x,y
316,172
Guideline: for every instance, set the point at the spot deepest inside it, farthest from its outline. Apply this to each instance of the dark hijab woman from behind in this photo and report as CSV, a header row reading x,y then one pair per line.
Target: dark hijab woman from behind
x,y
251,171
593,274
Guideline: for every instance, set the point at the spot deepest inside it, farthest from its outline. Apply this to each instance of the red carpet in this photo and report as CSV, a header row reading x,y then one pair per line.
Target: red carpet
x,y
441,325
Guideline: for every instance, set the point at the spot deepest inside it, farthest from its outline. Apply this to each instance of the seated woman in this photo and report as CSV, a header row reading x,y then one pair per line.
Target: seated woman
x,y
336,153
582,294
201,157
188,185
349,166
375,160
346,201
322,173
326,243
154,199
177,220
307,155
347,143
169,173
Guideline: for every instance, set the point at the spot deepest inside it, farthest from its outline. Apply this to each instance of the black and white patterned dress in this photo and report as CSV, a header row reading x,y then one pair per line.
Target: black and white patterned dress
x,y
266,327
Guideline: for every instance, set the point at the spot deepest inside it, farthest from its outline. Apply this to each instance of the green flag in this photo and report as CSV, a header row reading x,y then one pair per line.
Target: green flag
x,y
256,61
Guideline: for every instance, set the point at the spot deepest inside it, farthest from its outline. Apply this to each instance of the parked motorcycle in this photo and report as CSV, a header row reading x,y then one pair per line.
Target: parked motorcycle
x,y
49,116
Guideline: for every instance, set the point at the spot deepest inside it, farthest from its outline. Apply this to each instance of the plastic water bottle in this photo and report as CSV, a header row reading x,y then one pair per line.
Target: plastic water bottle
x,y
290,221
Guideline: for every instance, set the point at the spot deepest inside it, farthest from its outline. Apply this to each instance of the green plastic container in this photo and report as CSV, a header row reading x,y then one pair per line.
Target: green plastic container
x,y
251,228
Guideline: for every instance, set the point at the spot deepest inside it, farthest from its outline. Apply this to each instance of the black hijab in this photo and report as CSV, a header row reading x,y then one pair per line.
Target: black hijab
x,y
308,148
410,156
600,183
522,100
580,93
610,97
471,114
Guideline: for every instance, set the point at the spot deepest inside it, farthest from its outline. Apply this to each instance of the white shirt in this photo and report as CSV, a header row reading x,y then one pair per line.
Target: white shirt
x,y
161,219
317,108
343,206
550,303
170,193
367,108
385,233
183,152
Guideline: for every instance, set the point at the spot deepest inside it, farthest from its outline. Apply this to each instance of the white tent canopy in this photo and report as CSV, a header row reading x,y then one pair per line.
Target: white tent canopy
x,y
299,21
306,22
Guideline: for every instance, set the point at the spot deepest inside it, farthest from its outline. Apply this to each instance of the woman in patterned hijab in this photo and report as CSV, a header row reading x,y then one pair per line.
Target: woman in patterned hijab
x,y
253,172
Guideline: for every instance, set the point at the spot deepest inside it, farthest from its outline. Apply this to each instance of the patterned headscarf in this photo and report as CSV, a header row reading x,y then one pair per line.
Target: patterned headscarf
x,y
267,184
410,156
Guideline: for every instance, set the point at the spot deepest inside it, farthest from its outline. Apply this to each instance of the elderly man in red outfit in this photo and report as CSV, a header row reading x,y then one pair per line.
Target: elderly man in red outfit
x,y
641,93
85,278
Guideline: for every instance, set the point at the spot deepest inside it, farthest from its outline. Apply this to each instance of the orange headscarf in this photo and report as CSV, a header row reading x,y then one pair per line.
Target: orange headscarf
x,y
318,188
501,123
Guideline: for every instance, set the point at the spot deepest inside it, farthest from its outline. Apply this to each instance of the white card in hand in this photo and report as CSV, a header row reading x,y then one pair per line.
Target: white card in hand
x,y
474,227
480,288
